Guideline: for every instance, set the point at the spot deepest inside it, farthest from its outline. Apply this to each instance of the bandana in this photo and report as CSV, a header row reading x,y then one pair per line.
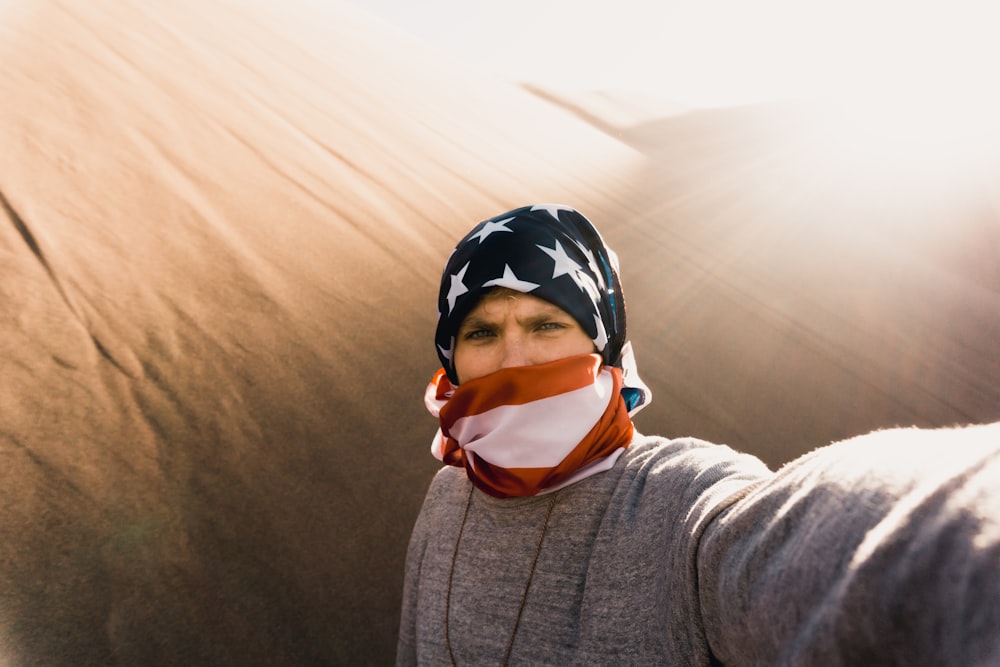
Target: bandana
x,y
551,252
532,429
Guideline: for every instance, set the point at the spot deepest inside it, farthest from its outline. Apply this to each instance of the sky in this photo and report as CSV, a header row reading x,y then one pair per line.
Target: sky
x,y
705,53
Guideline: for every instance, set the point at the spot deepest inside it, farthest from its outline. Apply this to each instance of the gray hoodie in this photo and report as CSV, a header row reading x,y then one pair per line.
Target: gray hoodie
x,y
884,549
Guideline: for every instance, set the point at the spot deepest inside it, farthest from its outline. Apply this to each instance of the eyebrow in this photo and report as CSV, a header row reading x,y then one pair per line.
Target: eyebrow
x,y
478,322
474,322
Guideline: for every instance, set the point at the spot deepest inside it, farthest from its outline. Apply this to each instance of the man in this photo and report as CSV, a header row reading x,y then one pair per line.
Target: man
x,y
556,534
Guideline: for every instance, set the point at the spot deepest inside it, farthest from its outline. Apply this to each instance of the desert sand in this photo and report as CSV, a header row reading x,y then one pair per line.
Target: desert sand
x,y
223,226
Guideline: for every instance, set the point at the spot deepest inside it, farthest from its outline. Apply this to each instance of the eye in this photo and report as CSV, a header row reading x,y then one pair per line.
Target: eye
x,y
476,334
551,326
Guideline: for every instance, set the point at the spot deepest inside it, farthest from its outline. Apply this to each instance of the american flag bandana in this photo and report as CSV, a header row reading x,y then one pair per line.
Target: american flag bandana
x,y
532,429
551,252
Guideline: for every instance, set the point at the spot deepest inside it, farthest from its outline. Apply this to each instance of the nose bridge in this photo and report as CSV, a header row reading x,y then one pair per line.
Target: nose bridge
x,y
514,350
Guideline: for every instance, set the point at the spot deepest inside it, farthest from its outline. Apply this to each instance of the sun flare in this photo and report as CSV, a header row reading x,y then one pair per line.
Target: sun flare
x,y
906,88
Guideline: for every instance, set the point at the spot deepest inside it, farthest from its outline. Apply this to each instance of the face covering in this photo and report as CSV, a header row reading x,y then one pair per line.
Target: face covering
x,y
532,429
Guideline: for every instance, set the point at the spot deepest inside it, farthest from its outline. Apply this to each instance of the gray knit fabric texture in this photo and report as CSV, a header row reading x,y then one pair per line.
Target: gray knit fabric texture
x,y
883,550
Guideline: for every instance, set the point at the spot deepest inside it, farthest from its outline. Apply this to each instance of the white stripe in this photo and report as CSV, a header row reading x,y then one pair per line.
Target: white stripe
x,y
592,468
437,446
539,434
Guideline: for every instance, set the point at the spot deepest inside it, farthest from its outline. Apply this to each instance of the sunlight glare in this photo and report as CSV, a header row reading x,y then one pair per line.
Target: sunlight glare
x,y
917,93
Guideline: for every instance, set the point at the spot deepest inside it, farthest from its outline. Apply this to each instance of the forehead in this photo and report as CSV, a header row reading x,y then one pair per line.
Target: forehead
x,y
487,305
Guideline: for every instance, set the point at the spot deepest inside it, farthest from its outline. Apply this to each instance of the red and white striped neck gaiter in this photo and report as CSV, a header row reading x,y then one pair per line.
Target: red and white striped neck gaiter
x,y
531,429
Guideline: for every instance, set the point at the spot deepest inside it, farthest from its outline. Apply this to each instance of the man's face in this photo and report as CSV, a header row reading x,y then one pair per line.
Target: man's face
x,y
508,329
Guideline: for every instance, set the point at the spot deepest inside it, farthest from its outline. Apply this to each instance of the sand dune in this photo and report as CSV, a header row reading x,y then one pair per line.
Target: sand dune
x,y
223,234
224,227
616,113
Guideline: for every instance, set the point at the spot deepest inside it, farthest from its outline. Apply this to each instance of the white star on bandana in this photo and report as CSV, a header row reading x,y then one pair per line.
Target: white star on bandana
x,y
447,352
552,209
457,288
508,279
490,227
587,284
564,265
591,260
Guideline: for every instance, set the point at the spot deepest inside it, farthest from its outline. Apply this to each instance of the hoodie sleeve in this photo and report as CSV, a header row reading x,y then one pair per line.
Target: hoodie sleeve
x,y
883,549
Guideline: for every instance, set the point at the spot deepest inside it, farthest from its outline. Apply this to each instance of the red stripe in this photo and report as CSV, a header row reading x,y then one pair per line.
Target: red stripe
x,y
612,431
520,385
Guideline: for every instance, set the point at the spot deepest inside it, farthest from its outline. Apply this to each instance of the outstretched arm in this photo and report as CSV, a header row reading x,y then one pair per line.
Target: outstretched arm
x,y
883,549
